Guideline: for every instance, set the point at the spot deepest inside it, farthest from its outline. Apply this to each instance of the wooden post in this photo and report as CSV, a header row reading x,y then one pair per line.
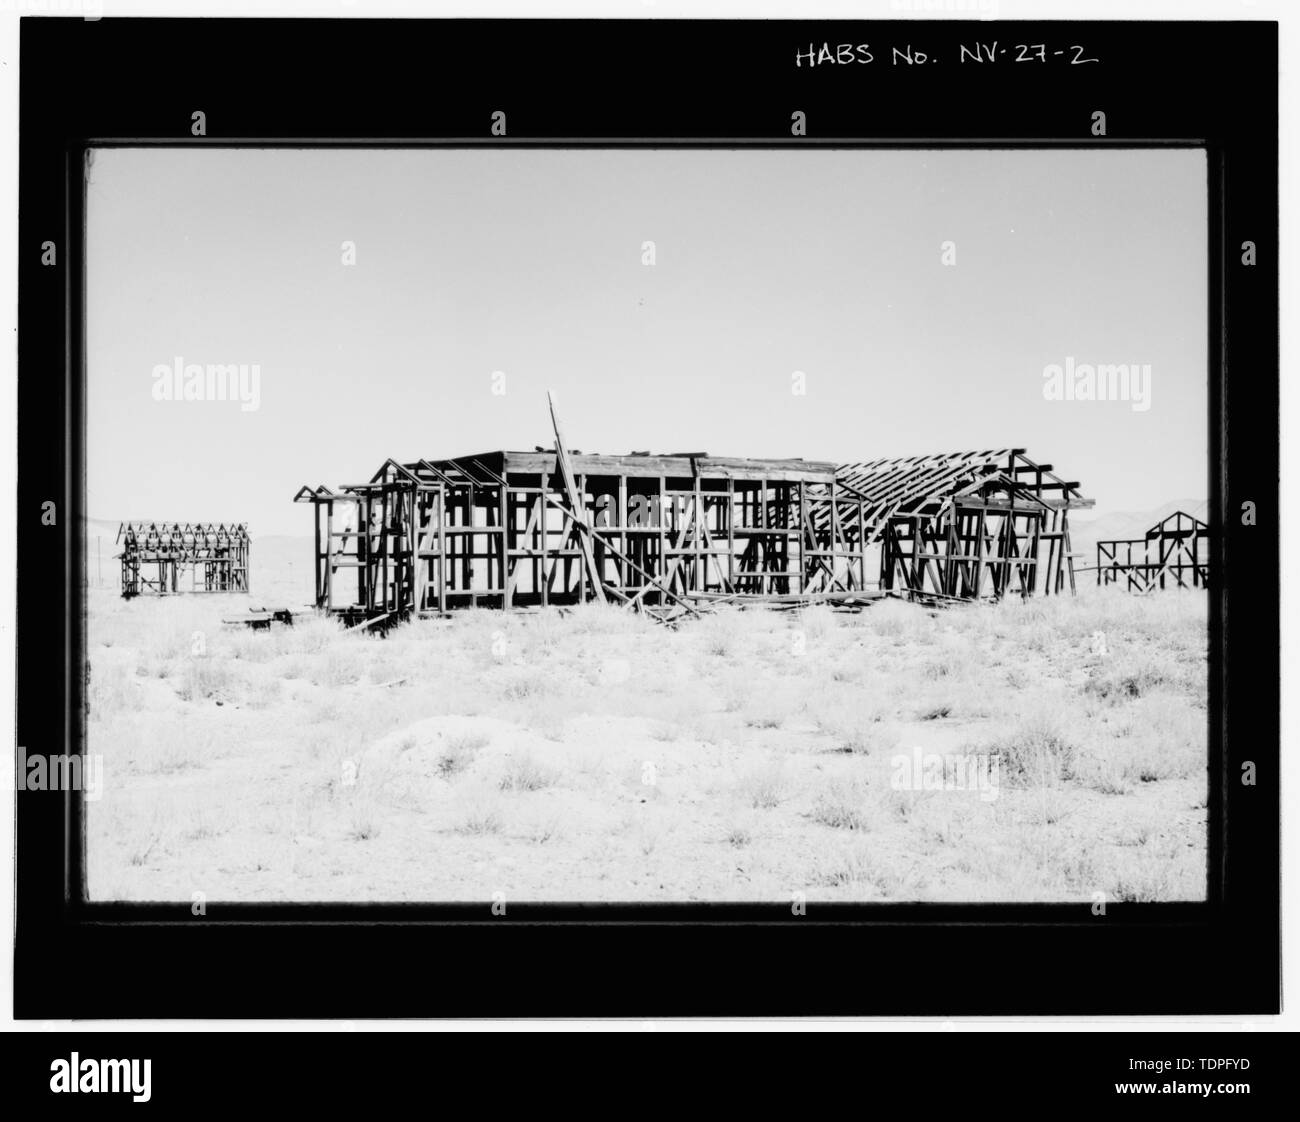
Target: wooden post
x,y
382,600
329,546
546,544
467,547
622,533
442,547
581,513
415,542
731,531
799,517
699,568
503,515
663,540
862,543
1065,543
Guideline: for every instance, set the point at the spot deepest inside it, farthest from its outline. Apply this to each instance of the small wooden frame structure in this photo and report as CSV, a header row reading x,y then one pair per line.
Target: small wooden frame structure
x,y
969,524
168,558
1175,550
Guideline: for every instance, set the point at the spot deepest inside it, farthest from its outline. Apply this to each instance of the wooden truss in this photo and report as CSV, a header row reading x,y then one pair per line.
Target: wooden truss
x,y
165,558
665,533
1175,550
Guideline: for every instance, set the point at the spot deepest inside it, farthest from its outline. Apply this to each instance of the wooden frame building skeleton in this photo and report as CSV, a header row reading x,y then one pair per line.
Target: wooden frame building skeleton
x,y
667,534
167,558
968,524
1175,549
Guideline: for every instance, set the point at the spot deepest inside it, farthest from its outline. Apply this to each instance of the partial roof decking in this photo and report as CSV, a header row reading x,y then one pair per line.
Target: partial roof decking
x,y
673,465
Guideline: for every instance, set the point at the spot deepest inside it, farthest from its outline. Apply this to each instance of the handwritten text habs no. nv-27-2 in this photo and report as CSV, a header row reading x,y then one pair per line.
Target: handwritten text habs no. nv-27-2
x,y
981,53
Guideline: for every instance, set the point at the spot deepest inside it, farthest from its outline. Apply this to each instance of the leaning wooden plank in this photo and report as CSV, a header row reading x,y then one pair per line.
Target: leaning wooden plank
x,y
613,550
371,622
652,580
584,531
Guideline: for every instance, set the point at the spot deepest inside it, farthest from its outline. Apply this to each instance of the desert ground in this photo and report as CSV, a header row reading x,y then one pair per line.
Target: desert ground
x,y
592,754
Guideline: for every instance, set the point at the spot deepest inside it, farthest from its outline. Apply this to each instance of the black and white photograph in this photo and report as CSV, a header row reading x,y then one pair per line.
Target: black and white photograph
x,y
648,518
655,525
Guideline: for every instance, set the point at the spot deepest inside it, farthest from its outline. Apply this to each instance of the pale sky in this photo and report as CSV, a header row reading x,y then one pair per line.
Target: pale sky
x,y
529,262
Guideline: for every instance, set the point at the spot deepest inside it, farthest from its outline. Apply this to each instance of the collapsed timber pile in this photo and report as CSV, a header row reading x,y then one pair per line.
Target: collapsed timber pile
x,y
166,558
1174,550
674,534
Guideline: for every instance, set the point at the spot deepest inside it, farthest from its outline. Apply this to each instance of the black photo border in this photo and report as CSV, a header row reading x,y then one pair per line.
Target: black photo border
x,y
374,83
